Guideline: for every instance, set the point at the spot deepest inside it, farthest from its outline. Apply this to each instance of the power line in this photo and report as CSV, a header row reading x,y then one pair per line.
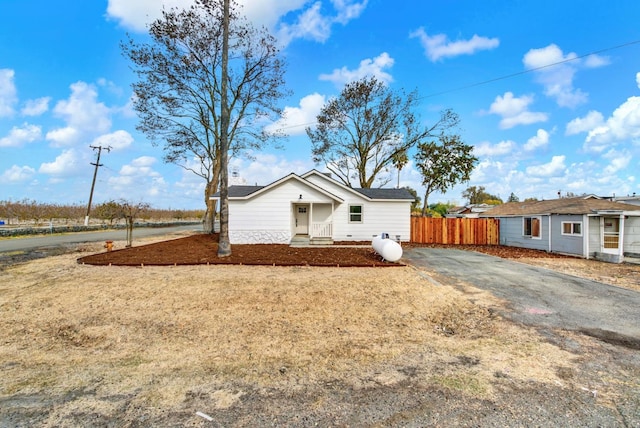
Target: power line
x,y
508,76
496,79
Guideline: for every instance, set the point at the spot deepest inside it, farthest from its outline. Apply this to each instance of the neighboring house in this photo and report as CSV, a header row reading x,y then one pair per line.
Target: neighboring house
x,y
469,211
633,199
588,227
317,208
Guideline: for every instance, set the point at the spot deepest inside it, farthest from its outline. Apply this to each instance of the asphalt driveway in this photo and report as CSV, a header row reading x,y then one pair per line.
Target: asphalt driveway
x,y
541,297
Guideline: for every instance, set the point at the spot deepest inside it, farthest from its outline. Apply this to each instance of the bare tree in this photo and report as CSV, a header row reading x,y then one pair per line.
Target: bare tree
x,y
179,87
364,131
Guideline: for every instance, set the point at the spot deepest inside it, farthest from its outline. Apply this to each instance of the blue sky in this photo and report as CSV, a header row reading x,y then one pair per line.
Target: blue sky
x,y
537,128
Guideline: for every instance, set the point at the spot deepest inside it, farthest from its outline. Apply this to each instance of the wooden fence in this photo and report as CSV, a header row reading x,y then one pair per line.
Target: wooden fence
x,y
455,231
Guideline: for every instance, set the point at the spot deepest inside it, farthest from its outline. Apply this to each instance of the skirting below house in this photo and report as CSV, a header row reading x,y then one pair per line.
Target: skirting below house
x,y
609,258
260,236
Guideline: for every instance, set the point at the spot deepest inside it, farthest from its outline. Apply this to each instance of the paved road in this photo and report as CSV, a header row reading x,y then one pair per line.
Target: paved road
x,y
30,243
541,297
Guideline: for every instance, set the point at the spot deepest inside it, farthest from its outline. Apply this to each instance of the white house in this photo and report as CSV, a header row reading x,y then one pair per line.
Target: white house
x,y
588,227
317,208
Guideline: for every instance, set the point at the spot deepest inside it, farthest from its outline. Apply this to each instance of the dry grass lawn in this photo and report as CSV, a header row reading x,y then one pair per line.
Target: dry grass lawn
x,y
158,335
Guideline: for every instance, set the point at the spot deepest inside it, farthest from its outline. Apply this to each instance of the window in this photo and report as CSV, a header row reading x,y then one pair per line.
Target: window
x,y
531,227
572,228
355,213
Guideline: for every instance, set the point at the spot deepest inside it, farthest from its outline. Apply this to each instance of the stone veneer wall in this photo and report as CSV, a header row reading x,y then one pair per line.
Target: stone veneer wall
x,y
260,237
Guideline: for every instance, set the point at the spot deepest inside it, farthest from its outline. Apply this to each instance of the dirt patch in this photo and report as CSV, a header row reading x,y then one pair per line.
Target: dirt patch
x,y
287,346
203,249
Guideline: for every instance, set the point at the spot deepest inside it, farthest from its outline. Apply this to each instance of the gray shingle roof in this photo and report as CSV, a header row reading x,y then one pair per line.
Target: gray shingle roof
x,y
400,194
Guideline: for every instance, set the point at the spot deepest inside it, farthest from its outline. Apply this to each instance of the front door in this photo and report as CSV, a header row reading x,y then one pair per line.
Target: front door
x,y
611,235
302,219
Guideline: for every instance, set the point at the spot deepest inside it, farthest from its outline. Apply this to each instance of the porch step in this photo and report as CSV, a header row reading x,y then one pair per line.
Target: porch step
x,y
321,241
299,241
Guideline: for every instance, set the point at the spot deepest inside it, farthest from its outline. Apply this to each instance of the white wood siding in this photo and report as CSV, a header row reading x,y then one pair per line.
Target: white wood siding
x,y
392,217
268,217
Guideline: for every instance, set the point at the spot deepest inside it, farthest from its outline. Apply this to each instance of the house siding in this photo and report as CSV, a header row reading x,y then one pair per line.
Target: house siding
x,y
392,217
631,244
567,244
268,217
594,236
511,233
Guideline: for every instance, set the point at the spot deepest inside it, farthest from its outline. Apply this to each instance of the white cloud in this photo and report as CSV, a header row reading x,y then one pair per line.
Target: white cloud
x,y
8,92
295,119
487,149
18,136
66,164
116,140
624,124
555,168
265,168
138,181
82,113
541,139
638,79
557,79
308,19
618,160
35,107
17,174
592,120
439,46
368,67
312,24
140,167
135,15
514,111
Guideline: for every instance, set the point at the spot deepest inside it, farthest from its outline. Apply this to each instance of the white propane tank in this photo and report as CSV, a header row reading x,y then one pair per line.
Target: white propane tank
x,y
389,250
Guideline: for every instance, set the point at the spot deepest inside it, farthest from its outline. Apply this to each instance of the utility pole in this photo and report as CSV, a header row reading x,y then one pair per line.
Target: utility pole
x,y
93,183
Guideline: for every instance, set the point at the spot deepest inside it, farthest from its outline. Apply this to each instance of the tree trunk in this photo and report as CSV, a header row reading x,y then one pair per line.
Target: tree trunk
x,y
224,246
210,215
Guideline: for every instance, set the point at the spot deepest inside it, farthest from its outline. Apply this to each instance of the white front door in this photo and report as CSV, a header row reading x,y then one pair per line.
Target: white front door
x,y
302,219
611,235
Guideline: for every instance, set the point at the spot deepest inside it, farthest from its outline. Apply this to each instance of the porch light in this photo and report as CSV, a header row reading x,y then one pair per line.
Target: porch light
x,y
300,198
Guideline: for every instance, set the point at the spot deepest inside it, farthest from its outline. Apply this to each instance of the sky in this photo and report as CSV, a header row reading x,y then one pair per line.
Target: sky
x,y
548,93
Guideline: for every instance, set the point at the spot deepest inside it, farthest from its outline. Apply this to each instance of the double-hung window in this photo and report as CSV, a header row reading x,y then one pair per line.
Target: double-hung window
x,y
531,227
355,213
572,228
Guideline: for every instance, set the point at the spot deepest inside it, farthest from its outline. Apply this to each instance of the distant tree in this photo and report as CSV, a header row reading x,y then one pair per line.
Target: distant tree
x,y
478,195
130,211
443,164
513,198
441,208
399,160
110,210
179,87
365,130
415,205
533,199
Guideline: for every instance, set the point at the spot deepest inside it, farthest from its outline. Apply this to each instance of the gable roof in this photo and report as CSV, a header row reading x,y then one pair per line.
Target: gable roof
x,y
388,194
247,192
579,205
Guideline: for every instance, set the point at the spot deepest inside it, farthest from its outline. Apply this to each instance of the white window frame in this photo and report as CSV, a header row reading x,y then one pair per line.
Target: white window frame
x,y
573,224
361,214
524,222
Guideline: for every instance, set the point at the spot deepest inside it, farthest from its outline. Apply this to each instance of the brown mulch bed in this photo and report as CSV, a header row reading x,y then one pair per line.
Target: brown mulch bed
x,y
203,249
